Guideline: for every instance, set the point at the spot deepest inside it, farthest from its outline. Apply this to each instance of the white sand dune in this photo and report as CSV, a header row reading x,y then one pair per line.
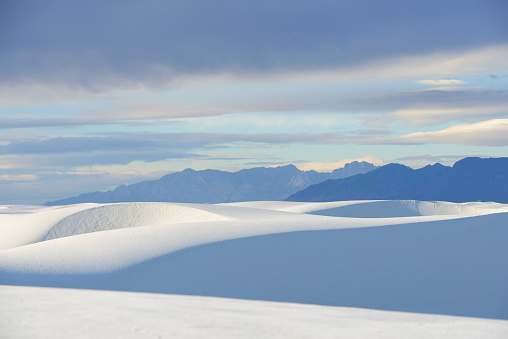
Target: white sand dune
x,y
411,256
115,216
35,312
22,225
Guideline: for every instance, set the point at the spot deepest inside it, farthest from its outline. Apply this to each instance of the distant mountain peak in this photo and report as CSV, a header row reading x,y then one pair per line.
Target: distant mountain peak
x,y
470,179
291,166
214,186
300,181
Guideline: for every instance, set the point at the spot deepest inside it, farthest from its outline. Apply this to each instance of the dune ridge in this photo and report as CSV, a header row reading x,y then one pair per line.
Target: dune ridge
x,y
115,216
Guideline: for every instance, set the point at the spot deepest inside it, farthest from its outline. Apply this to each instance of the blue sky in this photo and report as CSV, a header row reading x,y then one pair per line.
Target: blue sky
x,y
94,94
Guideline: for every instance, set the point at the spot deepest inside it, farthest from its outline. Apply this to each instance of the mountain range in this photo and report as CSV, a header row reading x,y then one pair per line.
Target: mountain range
x,y
214,186
470,179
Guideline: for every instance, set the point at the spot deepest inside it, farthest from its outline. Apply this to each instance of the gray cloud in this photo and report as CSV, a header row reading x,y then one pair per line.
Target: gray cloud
x,y
126,147
465,97
434,107
50,122
148,113
97,44
116,148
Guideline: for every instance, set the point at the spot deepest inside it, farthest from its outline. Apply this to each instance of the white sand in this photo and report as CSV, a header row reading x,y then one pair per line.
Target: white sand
x,y
35,312
409,256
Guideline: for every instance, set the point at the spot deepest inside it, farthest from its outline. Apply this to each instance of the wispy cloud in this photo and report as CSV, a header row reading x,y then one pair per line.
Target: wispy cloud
x,y
441,82
149,113
123,148
395,68
160,110
421,115
485,133
18,177
441,64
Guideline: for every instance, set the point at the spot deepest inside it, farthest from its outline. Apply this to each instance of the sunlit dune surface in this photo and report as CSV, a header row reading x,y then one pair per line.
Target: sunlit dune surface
x,y
439,258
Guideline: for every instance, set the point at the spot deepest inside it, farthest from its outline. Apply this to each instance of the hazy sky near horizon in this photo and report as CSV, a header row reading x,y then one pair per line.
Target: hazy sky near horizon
x,y
94,94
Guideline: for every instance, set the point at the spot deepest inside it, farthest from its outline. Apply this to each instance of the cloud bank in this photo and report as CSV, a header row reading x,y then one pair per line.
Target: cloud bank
x,y
145,45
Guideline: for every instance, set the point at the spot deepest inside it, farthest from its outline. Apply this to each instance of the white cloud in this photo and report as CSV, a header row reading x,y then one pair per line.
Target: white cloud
x,y
431,115
441,82
447,88
19,177
486,133
134,168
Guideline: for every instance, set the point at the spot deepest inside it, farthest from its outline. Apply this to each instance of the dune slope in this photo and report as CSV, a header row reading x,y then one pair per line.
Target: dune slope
x,y
447,259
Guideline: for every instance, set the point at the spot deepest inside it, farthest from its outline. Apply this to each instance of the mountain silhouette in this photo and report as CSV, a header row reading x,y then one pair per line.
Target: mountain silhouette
x,y
214,186
470,179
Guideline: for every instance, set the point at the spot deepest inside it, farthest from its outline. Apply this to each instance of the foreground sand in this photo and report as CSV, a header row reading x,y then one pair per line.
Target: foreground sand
x,y
35,312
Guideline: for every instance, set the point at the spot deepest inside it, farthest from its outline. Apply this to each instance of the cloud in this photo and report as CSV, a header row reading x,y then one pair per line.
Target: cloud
x,y
378,111
198,37
444,89
409,67
19,177
486,133
124,148
477,61
445,85
136,168
158,110
444,63
149,113
50,52
441,82
153,169
421,115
